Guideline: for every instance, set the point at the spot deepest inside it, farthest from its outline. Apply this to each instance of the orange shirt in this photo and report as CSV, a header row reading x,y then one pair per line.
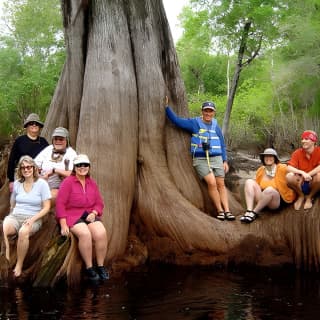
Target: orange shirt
x,y
300,161
278,182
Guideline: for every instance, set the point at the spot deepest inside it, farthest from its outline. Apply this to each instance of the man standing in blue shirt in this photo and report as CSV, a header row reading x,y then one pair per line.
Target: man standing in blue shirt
x,y
208,152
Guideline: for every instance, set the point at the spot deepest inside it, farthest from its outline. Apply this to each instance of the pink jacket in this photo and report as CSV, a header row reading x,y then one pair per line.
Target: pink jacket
x,y
73,200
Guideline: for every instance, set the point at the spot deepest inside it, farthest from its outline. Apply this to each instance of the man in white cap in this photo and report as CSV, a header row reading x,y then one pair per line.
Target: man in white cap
x,y
28,144
208,152
55,162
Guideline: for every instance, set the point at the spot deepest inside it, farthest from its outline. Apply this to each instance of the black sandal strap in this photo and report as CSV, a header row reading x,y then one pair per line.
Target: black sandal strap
x,y
229,215
249,216
221,215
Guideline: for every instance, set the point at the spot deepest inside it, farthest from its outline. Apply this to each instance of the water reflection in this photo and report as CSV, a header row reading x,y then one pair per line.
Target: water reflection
x,y
173,293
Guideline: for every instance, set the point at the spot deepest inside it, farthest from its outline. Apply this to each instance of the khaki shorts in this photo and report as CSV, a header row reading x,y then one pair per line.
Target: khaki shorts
x,y
202,167
17,220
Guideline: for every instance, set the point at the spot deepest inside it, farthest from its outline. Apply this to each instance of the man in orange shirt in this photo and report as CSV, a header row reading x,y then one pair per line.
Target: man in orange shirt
x,y
304,170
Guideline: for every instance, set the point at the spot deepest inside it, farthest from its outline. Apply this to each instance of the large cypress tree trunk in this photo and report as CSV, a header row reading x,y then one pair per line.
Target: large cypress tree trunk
x,y
120,65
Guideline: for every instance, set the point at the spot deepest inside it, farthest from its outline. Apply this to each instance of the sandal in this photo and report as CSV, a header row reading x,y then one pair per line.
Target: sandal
x,y
221,216
248,217
229,216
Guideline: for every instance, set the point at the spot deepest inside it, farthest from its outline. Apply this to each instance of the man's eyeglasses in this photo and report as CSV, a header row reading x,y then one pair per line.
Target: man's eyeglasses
x,y
26,167
33,123
79,165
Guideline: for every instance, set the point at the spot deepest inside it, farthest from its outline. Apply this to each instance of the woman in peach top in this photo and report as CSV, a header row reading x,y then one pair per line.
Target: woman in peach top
x,y
269,188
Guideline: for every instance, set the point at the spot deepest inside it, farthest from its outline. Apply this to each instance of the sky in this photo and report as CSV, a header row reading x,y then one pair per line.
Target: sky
x,y
173,9
1,22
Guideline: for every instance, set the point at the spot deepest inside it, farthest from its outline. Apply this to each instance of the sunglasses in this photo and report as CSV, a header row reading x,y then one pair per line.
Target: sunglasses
x,y
79,165
59,138
26,167
33,123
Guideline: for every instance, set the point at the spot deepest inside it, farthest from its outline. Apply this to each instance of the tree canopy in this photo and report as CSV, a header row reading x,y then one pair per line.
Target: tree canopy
x,y
283,78
32,54
281,81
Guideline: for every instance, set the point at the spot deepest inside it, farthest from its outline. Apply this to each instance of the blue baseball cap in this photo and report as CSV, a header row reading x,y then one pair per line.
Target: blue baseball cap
x,y
208,105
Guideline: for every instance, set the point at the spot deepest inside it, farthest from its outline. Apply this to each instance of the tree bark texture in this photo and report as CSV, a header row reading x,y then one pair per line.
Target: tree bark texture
x,y
121,63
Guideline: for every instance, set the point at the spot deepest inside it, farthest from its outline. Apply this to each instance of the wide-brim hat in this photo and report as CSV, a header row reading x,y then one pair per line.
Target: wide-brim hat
x,y
269,152
32,117
81,158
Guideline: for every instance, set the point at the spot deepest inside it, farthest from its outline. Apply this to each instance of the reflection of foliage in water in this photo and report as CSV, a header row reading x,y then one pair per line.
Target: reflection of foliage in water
x,y
165,292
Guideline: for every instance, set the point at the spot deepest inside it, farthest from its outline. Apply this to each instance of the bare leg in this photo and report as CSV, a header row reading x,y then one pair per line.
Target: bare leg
x,y
315,187
223,193
294,182
213,191
308,203
269,198
298,203
252,192
99,236
82,232
8,230
22,248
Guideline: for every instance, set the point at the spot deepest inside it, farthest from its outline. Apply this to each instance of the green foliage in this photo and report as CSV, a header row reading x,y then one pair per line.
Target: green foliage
x,y
31,57
226,20
204,73
277,95
195,103
197,34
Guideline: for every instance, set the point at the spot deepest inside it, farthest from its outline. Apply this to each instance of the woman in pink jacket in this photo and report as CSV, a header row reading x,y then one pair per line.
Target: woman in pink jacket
x,y
79,207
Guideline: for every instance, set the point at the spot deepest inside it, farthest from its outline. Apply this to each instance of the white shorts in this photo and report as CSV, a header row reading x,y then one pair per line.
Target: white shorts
x,y
18,219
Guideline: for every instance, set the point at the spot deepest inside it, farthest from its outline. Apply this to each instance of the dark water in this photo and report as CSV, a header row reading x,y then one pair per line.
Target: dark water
x,y
165,292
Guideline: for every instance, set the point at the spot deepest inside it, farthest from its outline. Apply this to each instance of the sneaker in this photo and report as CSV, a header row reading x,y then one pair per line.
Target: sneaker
x,y
92,275
103,273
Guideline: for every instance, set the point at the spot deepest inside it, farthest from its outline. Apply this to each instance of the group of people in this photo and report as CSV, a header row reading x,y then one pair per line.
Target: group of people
x,y
275,183
42,176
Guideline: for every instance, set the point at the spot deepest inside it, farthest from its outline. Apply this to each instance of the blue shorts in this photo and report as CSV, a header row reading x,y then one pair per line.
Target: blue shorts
x,y
305,187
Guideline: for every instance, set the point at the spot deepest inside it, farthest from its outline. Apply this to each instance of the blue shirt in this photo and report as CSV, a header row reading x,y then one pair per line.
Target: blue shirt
x,y
30,203
191,125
